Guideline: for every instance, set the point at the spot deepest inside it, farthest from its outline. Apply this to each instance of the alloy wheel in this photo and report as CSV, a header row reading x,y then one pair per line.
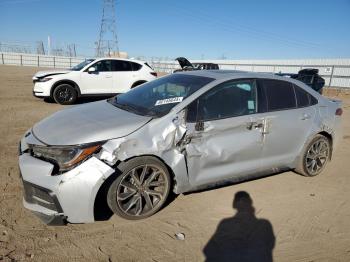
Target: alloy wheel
x,y
142,190
64,95
317,156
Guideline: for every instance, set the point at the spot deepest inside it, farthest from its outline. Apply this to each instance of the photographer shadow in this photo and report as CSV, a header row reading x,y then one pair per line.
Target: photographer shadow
x,y
242,237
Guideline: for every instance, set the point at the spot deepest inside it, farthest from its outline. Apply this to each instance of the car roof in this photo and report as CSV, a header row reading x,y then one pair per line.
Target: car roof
x,y
227,74
123,59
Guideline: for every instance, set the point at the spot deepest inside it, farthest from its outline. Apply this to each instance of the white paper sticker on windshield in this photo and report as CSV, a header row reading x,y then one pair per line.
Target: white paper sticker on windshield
x,y
251,105
169,100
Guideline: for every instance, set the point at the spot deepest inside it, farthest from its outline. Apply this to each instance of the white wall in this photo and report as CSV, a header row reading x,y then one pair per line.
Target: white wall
x,y
336,72
39,60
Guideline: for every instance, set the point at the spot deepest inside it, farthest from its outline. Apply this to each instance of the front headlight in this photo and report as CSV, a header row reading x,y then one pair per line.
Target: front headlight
x,y
65,157
45,79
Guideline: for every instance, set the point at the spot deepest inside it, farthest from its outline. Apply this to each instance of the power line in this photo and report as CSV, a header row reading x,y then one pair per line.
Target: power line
x,y
221,23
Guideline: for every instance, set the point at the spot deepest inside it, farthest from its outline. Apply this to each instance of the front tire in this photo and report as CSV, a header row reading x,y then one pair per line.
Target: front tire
x,y
141,190
65,94
314,157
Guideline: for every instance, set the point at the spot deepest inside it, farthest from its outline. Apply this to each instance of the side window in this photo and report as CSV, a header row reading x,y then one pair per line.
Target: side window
x,y
230,99
304,98
135,66
313,100
279,95
121,65
103,66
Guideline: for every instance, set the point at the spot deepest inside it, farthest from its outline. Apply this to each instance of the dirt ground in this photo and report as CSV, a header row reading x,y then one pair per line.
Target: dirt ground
x,y
308,219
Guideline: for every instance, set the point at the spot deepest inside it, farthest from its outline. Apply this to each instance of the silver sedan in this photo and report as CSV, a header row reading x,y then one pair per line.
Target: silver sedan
x,y
182,132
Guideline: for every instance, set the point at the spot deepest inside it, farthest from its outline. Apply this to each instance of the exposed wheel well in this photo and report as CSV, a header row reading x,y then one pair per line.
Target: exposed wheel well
x,y
330,138
101,208
69,82
137,83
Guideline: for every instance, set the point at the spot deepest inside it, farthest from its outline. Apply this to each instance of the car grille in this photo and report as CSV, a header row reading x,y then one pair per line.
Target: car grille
x,y
40,196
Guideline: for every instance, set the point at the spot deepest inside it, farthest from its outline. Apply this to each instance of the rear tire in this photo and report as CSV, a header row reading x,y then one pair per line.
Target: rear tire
x,y
314,157
141,190
65,94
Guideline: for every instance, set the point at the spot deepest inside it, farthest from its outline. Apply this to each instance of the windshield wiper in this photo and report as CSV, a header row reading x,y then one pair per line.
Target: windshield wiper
x,y
126,107
134,109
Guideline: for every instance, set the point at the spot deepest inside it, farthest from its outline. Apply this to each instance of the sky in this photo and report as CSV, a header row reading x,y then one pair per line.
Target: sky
x,y
249,29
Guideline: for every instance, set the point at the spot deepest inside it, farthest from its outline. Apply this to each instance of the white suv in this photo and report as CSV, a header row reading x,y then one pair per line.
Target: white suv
x,y
105,76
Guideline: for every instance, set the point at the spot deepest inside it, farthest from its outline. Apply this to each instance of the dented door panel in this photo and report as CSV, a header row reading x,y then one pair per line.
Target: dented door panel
x,y
283,140
224,149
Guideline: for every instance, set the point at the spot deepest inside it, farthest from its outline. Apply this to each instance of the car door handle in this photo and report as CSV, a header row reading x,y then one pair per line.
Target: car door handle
x,y
254,125
108,76
305,117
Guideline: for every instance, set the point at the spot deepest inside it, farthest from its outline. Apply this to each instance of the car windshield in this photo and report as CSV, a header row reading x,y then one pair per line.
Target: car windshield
x,y
158,97
80,66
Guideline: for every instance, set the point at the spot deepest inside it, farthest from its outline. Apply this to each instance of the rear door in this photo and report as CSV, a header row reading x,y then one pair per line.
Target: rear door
x,y
123,76
224,137
289,115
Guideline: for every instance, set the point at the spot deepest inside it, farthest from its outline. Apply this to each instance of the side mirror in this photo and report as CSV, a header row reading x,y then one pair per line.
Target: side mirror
x,y
92,70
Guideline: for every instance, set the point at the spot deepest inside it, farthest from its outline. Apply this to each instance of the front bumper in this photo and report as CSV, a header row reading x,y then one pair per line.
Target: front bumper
x,y
57,199
44,204
42,89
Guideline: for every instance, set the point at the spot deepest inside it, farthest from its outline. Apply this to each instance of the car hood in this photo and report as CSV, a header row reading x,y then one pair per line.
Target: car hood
x,y
42,74
92,122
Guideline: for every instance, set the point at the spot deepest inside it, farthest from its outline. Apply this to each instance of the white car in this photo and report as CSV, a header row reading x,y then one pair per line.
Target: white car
x,y
183,132
105,76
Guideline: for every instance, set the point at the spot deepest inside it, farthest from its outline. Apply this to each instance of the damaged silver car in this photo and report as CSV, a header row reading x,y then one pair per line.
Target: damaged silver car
x,y
182,132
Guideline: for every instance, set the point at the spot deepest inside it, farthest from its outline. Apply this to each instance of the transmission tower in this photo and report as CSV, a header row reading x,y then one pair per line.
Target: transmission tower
x,y
108,40
40,50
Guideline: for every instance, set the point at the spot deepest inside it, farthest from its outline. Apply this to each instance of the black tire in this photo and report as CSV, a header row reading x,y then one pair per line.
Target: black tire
x,y
314,156
65,94
141,189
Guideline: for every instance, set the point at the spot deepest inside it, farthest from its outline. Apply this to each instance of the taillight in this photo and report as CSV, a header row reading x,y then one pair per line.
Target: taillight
x,y
338,112
153,74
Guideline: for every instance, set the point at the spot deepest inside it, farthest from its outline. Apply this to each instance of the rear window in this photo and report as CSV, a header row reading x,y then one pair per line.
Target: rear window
x,y
135,66
279,95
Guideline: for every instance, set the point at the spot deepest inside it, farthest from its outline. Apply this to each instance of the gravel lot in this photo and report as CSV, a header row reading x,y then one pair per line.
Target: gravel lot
x,y
310,217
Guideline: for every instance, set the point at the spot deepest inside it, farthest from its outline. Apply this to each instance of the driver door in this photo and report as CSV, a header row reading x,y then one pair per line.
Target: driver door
x,y
224,137
98,82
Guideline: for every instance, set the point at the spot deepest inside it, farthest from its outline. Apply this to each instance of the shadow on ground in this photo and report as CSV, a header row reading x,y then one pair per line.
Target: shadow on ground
x,y
242,237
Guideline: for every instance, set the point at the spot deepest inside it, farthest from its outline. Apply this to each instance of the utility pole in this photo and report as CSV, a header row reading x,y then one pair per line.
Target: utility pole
x,y
108,39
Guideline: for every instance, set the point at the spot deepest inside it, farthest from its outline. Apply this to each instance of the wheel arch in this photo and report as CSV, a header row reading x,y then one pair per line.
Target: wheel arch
x,y
65,81
330,138
100,208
